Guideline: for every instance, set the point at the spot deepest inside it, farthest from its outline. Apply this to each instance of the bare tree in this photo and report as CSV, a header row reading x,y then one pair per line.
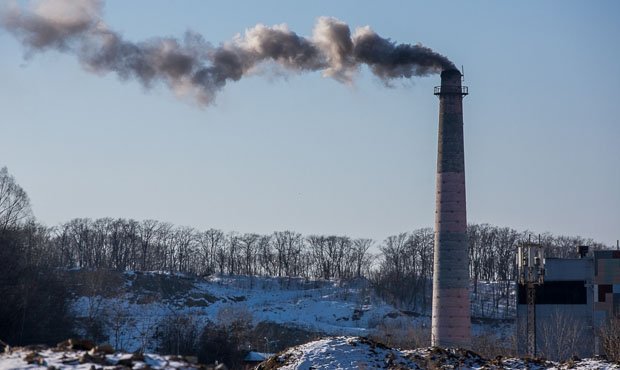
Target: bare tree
x,y
288,246
184,243
147,232
233,250
163,251
266,256
421,244
561,336
609,335
322,264
361,258
14,202
121,323
248,250
178,333
209,243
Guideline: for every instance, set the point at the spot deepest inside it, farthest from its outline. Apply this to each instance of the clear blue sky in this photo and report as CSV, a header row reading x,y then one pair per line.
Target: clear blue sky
x,y
305,153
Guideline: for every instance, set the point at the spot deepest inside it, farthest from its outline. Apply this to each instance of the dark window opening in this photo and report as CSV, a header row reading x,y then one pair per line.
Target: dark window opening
x,y
603,289
557,292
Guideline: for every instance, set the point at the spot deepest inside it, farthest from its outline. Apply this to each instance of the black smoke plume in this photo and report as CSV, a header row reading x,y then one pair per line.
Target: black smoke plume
x,y
193,67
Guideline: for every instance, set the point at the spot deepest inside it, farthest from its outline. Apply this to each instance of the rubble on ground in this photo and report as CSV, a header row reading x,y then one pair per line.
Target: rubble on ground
x,y
362,353
84,354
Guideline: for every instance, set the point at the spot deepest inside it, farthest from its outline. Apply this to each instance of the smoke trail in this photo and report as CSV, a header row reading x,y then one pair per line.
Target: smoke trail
x,y
193,67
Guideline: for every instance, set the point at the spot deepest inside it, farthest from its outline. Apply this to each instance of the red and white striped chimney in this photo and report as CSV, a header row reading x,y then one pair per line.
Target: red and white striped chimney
x,y
451,321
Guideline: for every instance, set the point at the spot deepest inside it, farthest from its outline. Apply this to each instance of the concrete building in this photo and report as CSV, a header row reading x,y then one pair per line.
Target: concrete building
x,y
576,298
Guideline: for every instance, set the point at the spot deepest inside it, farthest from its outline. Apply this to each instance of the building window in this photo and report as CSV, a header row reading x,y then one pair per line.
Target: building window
x,y
603,289
558,292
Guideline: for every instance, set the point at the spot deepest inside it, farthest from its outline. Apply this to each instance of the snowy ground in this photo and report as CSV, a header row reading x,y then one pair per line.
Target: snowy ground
x,y
144,300
39,357
360,353
329,353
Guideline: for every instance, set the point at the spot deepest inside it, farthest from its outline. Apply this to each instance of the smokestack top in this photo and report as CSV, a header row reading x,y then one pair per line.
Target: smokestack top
x,y
451,77
451,83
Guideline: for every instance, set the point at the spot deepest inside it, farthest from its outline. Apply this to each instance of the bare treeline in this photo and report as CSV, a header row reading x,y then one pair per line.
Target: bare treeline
x,y
404,264
151,245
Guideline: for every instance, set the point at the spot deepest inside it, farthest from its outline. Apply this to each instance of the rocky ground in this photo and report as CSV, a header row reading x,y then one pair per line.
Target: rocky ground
x,y
84,355
361,353
327,353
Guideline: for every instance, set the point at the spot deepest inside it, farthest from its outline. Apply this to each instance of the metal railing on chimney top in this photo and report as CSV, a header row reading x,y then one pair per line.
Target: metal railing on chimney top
x,y
463,90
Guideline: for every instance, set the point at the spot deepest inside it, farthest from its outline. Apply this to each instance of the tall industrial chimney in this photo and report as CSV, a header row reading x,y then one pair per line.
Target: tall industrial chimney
x,y
451,322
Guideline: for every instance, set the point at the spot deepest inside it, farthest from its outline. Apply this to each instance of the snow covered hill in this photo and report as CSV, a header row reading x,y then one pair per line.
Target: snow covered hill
x,y
134,304
130,310
360,353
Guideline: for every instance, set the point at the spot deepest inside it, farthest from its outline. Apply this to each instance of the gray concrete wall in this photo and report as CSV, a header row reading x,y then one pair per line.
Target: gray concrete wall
x,y
560,269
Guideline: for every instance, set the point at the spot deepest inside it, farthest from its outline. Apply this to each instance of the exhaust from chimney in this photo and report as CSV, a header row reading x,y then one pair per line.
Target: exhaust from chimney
x,y
192,67
451,321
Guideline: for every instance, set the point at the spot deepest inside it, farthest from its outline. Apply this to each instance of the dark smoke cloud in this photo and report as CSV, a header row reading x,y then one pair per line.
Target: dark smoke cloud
x,y
389,60
195,68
